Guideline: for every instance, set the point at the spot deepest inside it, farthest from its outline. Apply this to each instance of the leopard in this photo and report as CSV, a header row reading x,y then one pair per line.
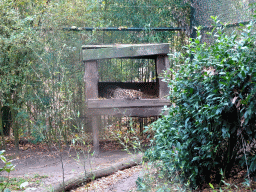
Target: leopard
x,y
129,94
116,92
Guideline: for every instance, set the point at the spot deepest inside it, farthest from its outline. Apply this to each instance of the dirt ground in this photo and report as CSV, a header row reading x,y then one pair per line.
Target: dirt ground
x,y
122,180
37,161
43,169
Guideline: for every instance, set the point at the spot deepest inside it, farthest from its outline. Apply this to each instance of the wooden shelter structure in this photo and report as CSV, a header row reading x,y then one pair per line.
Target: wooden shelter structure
x,y
91,54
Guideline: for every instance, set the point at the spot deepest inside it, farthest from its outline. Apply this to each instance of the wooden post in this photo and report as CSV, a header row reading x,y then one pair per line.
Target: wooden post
x,y
141,125
91,79
95,131
91,90
162,63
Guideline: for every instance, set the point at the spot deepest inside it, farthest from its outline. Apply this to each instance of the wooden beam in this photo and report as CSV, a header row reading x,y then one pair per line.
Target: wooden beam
x,y
123,51
96,46
162,64
91,79
95,131
132,112
117,103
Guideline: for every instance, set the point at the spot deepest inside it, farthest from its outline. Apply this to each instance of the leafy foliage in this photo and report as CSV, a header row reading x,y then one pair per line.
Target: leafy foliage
x,y
8,167
212,119
145,13
41,74
16,56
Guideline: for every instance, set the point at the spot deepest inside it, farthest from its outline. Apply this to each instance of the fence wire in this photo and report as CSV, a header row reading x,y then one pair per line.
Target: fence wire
x,y
175,18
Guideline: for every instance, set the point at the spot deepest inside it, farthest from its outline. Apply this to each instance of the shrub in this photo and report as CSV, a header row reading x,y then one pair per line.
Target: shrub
x,y
8,167
213,118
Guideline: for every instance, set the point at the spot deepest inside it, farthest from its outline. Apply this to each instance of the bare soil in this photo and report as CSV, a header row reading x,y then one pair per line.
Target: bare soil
x,y
36,160
122,180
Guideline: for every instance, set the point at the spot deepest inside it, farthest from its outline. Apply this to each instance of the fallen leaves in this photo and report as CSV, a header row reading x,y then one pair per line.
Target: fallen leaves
x,y
104,183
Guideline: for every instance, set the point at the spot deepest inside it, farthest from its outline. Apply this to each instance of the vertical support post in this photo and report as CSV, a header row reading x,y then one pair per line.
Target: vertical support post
x,y
91,80
162,64
141,125
95,132
91,90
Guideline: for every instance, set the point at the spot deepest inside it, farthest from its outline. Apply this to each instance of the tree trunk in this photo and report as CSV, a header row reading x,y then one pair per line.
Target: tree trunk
x,y
15,128
80,179
1,128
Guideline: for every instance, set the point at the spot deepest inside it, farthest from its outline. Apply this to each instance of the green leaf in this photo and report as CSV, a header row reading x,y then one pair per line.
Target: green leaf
x,y
223,83
196,158
243,73
218,111
211,185
24,185
186,122
3,159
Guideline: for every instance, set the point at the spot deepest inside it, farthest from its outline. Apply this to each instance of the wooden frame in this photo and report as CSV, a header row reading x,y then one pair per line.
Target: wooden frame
x,y
124,103
96,52
122,107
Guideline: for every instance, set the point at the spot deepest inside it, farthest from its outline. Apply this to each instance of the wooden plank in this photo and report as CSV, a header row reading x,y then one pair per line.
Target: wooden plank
x,y
125,51
110,103
118,45
133,112
96,46
91,80
95,131
162,64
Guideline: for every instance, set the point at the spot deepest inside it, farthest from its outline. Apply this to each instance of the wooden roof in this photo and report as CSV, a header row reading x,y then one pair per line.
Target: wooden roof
x,y
96,52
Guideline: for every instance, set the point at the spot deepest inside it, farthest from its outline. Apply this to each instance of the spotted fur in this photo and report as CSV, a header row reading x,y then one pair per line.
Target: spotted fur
x,y
120,93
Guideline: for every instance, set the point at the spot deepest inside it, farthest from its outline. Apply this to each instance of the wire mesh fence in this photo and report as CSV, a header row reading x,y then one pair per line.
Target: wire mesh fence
x,y
110,22
230,12
127,70
131,22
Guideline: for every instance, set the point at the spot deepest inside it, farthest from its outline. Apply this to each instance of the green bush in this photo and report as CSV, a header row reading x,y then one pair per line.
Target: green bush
x,y
8,167
213,119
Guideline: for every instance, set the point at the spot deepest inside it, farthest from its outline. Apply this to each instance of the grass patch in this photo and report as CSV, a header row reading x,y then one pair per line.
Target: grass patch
x,y
15,182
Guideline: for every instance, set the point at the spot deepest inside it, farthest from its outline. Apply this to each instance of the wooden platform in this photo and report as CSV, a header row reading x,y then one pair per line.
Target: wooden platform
x,y
129,111
121,107
113,103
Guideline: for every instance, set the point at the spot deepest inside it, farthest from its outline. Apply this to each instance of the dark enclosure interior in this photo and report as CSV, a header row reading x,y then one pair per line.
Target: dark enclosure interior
x,y
131,74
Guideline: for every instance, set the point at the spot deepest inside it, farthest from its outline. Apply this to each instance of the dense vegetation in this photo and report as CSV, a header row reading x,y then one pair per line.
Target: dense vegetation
x,y
210,129
41,80
41,72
